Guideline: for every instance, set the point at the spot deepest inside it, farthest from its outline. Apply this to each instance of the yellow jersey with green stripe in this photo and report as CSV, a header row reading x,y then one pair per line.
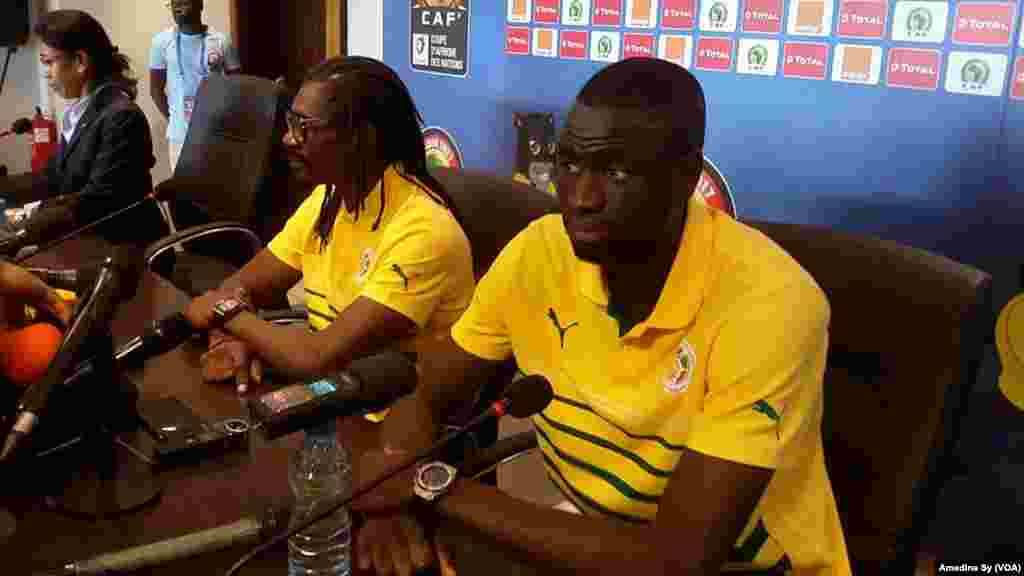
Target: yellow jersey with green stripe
x,y
416,260
1010,344
730,364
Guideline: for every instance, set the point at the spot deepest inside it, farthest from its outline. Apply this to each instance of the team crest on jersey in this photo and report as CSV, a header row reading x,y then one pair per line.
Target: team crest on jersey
x,y
365,262
682,372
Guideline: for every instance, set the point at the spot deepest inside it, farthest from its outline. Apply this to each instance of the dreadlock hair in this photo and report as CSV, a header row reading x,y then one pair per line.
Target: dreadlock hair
x,y
367,92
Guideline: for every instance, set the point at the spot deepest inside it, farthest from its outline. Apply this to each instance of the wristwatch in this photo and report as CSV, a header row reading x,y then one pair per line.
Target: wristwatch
x,y
433,480
226,309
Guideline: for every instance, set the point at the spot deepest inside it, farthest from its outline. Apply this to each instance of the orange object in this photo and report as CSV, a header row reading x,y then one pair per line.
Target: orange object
x,y
674,47
26,353
641,12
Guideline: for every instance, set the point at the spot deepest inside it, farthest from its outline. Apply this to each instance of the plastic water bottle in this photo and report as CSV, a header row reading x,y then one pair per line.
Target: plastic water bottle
x,y
320,471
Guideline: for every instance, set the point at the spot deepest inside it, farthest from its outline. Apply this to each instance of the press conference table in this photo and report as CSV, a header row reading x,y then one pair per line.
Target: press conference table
x,y
219,491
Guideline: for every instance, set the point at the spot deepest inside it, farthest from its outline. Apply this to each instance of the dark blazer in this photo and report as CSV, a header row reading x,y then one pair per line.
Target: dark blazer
x,y
104,167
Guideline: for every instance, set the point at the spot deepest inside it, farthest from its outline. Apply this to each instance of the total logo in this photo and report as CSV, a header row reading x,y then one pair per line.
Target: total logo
x,y
713,190
442,151
983,25
803,60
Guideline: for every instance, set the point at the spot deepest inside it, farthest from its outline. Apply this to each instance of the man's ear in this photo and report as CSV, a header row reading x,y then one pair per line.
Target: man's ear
x,y
83,61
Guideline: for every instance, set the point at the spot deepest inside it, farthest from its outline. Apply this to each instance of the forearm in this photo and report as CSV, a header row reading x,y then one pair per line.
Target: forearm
x,y
585,545
294,351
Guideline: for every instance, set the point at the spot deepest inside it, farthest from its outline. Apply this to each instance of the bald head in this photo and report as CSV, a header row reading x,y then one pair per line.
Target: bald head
x,y
667,92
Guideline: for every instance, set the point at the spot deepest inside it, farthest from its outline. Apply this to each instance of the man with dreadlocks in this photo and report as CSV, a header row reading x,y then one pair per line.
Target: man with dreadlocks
x,y
377,244
686,352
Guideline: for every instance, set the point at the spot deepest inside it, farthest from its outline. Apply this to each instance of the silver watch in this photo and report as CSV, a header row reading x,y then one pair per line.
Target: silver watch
x,y
433,480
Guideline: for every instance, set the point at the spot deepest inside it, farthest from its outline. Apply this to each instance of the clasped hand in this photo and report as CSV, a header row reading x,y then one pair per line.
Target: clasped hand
x,y
393,539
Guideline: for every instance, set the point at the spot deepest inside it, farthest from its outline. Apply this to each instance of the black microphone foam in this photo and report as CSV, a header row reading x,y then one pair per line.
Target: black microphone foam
x,y
384,377
45,223
528,396
21,126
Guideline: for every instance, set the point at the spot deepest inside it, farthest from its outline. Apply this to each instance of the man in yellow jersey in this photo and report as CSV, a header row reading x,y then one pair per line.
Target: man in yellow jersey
x,y
382,257
686,352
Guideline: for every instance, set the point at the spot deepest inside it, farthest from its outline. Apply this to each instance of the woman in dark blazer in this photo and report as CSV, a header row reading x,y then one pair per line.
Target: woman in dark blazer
x,y
105,154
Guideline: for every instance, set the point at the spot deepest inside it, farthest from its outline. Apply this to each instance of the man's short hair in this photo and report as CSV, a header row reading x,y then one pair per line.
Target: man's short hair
x,y
651,84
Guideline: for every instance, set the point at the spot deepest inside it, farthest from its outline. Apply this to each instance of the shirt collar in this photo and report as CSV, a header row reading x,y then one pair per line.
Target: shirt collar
x,y
684,289
75,111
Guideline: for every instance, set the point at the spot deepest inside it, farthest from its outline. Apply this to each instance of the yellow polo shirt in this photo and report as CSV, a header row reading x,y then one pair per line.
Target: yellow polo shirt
x,y
730,364
416,262
1010,343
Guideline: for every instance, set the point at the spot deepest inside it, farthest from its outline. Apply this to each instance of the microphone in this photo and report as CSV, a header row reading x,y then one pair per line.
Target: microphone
x,y
95,314
368,385
245,531
161,337
128,260
19,126
50,221
524,398
64,279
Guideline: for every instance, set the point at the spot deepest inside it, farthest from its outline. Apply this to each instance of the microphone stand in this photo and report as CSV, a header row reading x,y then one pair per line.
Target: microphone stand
x,y
96,473
109,477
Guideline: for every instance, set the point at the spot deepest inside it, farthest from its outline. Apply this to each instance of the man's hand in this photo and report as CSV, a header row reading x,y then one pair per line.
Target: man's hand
x,y
20,288
199,311
397,544
228,358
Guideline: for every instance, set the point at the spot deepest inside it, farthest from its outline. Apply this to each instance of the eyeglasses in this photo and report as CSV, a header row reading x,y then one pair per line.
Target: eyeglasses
x,y
298,123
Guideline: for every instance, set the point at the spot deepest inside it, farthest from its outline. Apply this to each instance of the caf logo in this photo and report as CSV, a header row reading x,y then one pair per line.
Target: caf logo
x,y
974,74
919,22
713,190
718,14
757,57
576,10
604,47
442,151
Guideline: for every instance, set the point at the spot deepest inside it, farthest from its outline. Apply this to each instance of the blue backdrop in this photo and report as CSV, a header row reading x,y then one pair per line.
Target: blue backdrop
x,y
937,170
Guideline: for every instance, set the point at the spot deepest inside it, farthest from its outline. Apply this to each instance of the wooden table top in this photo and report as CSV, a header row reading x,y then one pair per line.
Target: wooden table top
x,y
219,491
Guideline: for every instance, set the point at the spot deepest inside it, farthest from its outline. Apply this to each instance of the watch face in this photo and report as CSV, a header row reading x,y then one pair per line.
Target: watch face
x,y
434,476
227,305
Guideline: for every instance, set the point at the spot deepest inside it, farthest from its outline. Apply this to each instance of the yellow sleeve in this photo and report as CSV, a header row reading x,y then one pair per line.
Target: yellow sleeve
x,y
421,257
764,392
290,243
1010,344
483,330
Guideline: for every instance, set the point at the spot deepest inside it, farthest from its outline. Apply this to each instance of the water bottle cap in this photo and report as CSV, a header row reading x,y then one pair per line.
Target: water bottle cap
x,y
325,432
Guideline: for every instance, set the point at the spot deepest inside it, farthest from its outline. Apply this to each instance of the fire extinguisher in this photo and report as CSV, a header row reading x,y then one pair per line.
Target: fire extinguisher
x,y
44,140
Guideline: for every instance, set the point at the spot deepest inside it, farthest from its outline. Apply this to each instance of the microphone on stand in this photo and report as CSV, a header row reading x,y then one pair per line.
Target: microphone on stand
x,y
523,398
96,313
61,221
161,337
